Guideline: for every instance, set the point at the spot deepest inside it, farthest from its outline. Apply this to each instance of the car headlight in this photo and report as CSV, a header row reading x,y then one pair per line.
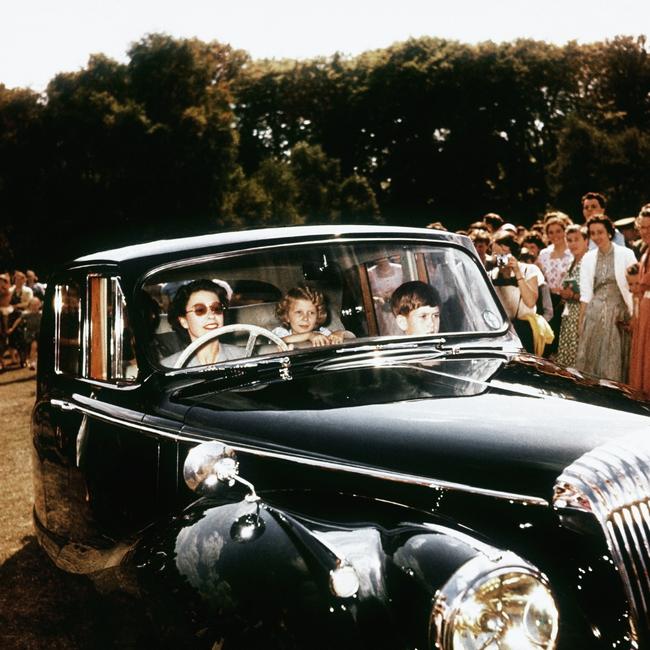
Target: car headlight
x,y
501,605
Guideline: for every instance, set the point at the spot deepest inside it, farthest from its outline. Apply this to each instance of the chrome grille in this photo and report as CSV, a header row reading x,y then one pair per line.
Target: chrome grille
x,y
613,483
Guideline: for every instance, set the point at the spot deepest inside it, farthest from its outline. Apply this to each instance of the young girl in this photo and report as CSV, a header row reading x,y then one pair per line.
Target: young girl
x,y
302,313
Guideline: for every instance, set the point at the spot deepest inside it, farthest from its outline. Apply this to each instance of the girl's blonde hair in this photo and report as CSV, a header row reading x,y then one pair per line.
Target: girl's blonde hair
x,y
302,292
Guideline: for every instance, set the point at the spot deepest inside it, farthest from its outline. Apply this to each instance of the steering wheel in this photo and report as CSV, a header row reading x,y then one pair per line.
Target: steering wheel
x,y
254,331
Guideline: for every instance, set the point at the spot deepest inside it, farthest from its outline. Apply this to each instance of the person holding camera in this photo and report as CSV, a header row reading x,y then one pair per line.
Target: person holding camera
x,y
517,285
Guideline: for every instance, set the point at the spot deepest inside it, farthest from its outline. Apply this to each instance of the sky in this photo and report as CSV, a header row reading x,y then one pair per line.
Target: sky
x,y
39,38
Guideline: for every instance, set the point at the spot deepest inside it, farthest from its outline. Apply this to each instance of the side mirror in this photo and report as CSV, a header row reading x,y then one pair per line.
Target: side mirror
x,y
211,465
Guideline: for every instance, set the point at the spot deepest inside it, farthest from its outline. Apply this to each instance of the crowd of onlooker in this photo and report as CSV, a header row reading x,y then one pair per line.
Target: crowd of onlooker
x,y
577,293
21,301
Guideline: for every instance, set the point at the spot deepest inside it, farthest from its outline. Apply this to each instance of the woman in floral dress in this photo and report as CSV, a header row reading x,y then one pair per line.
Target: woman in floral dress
x,y
578,242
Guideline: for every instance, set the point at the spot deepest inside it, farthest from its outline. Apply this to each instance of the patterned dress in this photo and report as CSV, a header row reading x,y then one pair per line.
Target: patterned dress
x,y
604,347
568,345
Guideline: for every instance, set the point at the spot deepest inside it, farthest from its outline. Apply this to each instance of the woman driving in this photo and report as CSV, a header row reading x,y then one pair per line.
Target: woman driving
x,y
197,309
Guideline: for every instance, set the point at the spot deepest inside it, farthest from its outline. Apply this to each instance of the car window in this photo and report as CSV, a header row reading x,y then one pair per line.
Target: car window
x,y
94,339
68,318
353,282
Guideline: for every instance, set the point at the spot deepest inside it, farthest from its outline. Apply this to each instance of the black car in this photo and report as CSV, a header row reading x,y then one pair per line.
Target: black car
x,y
348,483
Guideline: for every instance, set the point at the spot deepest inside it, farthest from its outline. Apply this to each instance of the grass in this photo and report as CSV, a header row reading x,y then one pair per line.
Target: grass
x,y
41,607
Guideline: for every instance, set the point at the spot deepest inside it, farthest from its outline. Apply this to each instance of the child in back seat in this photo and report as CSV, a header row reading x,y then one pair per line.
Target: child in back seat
x,y
302,313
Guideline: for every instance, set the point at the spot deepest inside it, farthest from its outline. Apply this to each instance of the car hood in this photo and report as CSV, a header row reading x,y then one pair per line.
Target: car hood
x,y
485,422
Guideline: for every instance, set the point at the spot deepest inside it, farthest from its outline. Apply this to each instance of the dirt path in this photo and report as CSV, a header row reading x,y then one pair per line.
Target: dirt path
x,y
39,606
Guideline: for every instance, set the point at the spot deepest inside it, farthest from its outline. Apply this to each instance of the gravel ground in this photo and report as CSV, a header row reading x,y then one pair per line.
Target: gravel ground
x,y
40,607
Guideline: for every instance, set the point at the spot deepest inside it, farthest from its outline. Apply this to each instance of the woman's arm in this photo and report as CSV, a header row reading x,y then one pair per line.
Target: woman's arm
x,y
527,287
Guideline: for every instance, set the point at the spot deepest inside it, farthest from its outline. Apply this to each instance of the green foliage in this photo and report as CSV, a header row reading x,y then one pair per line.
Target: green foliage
x,y
358,201
191,136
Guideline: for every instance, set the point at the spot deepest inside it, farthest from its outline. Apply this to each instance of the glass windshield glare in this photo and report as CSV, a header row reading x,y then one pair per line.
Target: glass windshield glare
x,y
297,297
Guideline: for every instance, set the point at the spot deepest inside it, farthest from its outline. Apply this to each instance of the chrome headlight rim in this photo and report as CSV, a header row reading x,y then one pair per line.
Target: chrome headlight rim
x,y
466,581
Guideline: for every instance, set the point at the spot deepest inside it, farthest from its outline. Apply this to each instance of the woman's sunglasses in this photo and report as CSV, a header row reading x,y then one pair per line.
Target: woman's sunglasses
x,y
201,310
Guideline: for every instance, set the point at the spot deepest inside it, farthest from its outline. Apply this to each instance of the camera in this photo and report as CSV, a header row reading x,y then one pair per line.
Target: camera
x,y
501,260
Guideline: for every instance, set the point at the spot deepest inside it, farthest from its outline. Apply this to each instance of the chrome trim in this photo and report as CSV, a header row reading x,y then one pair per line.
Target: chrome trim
x,y
190,435
612,482
116,329
58,301
322,240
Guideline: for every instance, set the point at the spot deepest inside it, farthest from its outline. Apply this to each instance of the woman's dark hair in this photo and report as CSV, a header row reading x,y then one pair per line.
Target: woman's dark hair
x,y
182,297
508,239
605,221
534,238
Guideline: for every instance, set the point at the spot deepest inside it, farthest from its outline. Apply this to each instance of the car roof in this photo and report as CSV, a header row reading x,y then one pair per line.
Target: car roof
x,y
197,244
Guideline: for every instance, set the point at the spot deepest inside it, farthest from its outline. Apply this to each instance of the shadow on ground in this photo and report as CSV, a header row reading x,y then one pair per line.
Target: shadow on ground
x,y
42,607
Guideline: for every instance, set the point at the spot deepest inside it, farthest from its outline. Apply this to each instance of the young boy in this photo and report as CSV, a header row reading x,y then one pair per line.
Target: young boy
x,y
416,307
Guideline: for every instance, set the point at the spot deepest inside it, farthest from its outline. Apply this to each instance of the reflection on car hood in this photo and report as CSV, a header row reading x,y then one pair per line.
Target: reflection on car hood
x,y
510,426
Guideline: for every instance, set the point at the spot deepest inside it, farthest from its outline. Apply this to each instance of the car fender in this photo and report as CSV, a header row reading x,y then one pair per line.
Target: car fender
x,y
250,572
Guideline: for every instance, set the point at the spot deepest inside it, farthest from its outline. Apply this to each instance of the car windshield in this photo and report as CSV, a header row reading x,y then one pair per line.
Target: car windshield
x,y
292,298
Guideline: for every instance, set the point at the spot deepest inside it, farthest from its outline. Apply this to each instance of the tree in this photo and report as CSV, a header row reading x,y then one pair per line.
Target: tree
x,y
146,148
358,201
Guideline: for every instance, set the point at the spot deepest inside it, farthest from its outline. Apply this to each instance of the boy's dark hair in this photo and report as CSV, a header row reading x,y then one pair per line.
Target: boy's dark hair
x,y
302,292
413,295
182,296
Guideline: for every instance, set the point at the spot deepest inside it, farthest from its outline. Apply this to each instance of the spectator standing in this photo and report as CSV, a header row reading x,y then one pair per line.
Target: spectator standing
x,y
595,203
481,240
578,242
30,322
534,244
517,285
605,305
555,260
6,309
640,353
21,294
32,282
493,221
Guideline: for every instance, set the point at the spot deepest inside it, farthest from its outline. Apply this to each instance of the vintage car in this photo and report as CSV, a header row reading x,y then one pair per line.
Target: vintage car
x,y
381,488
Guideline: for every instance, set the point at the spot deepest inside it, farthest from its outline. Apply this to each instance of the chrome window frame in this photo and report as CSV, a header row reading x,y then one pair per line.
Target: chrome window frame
x,y
113,328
